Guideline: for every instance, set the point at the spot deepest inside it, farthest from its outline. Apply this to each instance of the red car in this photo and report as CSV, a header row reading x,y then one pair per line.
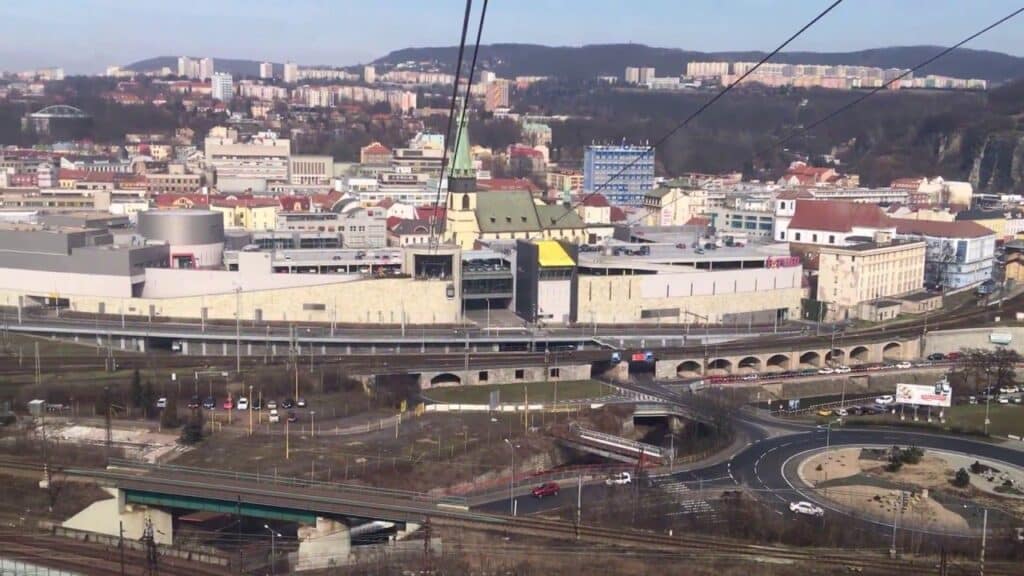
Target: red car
x,y
954,356
546,489
228,404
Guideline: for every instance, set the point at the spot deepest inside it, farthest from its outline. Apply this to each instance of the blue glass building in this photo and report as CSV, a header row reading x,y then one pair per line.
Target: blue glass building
x,y
601,167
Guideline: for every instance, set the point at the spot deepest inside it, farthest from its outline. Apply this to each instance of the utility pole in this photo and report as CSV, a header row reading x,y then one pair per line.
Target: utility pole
x,y
895,522
120,544
250,409
984,536
579,505
238,329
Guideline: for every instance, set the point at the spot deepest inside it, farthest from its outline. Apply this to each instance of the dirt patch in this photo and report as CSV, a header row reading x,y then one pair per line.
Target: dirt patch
x,y
831,465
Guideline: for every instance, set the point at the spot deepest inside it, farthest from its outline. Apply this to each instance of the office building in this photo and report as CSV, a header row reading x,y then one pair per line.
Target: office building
x,y
291,72
959,254
221,87
624,174
266,70
241,166
866,271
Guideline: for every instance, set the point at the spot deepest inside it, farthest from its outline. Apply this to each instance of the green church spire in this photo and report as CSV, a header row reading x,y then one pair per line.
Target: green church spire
x,y
462,163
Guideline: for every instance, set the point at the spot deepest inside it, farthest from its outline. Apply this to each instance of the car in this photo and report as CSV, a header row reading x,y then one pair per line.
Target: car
x,y
972,400
699,250
922,364
840,412
257,404
824,412
546,489
936,356
843,370
885,400
229,404
751,377
301,403
243,404
274,416
292,417
193,403
1003,400
826,370
954,356
210,403
287,403
807,508
1008,390
618,479
271,404
161,403
904,365
874,367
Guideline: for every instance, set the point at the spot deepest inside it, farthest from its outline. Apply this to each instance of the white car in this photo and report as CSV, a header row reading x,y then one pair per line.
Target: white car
x,y
826,370
274,416
1003,400
904,365
843,370
751,377
242,404
885,400
618,479
161,403
806,508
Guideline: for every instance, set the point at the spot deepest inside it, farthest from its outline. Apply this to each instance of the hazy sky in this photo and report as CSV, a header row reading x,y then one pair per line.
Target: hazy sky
x,y
87,35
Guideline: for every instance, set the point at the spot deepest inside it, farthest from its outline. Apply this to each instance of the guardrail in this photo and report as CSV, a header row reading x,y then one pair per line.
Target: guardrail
x,y
616,441
287,481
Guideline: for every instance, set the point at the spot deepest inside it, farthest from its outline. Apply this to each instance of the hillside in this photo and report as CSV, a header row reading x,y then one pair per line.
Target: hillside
x,y
611,59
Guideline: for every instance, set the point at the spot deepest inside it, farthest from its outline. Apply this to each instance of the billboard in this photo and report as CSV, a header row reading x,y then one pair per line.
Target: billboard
x,y
939,394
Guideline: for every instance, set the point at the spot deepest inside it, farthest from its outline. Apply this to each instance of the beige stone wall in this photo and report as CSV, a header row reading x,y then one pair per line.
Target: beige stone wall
x,y
370,301
627,301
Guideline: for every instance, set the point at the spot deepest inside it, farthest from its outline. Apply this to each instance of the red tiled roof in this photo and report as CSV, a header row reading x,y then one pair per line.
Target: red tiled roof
x,y
376,148
392,221
837,216
957,229
294,203
245,201
596,201
698,221
326,200
506,184
425,212
175,200
386,203
793,195
524,151
906,183
617,215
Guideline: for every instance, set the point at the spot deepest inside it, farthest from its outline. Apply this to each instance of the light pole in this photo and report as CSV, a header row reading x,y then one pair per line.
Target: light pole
x,y
988,396
273,550
512,480
238,329
250,409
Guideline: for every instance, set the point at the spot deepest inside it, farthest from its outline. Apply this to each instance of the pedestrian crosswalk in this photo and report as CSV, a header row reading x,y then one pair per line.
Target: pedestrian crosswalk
x,y
688,499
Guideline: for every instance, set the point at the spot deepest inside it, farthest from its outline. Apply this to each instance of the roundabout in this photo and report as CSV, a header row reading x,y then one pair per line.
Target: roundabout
x,y
854,478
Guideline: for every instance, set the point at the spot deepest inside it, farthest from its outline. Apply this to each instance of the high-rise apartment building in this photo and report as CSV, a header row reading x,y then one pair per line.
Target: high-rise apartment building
x,y
291,72
188,67
221,87
369,74
206,69
266,70
646,75
497,95
632,75
623,174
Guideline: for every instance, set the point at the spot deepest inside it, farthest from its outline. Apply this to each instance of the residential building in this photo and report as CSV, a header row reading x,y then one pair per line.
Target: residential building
x,y
375,154
409,233
266,70
222,87
646,75
960,254
291,73
562,180
251,213
536,133
866,271
497,95
624,174
707,69
369,74
175,181
311,170
1005,224
829,222
632,75
206,69
673,204
188,67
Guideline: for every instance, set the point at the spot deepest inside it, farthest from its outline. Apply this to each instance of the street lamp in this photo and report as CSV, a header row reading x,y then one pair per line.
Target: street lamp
x,y
512,480
273,551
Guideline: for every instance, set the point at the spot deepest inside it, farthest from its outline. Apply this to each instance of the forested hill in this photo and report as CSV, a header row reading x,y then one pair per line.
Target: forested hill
x,y
611,59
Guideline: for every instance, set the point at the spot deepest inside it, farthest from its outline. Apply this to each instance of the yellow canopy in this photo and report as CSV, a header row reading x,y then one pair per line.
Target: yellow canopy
x,y
551,254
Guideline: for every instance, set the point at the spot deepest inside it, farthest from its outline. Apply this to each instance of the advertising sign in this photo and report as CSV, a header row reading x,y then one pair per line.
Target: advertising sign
x,y
939,394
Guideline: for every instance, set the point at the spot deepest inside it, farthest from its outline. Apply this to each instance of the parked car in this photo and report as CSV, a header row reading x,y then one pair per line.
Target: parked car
x,y
161,403
618,479
936,356
193,403
243,404
843,370
824,412
885,400
904,365
954,356
826,370
287,403
229,404
807,508
271,404
301,403
751,377
257,404
840,412
972,400
210,403
274,416
546,489
1003,400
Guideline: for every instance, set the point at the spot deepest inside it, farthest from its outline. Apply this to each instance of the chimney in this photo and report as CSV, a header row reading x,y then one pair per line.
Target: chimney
x,y
883,237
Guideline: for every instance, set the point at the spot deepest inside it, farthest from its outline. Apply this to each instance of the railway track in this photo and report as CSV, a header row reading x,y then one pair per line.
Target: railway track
x,y
705,547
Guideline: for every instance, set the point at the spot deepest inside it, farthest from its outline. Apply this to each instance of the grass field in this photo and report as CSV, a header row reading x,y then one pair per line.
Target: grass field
x,y
535,392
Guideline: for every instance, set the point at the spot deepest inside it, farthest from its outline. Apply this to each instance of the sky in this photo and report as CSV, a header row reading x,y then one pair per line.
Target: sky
x,y
85,36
